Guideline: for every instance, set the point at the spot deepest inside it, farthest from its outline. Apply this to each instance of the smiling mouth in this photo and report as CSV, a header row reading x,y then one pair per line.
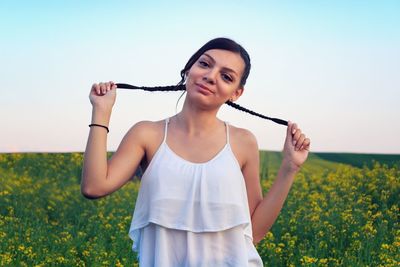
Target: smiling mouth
x,y
204,88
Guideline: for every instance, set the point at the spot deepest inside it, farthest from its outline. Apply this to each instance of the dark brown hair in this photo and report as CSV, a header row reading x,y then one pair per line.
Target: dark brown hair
x,y
217,43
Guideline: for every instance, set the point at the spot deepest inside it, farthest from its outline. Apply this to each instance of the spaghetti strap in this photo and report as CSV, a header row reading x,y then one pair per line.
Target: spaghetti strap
x,y
166,130
227,132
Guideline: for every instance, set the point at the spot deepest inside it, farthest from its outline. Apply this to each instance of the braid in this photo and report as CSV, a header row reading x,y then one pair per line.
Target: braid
x,y
236,106
181,87
178,87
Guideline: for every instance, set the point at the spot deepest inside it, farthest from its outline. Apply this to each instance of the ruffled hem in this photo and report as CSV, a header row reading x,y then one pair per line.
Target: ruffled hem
x,y
195,216
135,231
234,249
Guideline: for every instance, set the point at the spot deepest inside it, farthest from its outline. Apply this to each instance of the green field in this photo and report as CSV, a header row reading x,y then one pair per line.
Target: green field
x,y
343,210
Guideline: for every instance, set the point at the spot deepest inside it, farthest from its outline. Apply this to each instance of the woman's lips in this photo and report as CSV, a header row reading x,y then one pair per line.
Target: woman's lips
x,y
203,89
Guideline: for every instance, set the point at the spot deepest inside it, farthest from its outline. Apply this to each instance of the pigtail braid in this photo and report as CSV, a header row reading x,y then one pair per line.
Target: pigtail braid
x,y
178,87
236,106
181,87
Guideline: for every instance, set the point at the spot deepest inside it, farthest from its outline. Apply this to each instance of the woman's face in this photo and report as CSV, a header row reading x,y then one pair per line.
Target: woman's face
x,y
215,78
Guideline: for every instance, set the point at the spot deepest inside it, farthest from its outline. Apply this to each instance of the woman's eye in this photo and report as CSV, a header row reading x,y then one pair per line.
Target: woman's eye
x,y
203,63
226,77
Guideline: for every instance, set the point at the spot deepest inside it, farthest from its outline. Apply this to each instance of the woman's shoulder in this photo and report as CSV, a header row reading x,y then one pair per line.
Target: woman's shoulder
x,y
147,125
243,143
242,136
147,129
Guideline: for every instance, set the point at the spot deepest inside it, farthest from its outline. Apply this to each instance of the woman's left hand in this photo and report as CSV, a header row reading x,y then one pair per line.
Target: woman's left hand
x,y
296,148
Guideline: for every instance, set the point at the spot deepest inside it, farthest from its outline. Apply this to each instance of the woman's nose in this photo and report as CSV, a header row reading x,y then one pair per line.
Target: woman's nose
x,y
210,76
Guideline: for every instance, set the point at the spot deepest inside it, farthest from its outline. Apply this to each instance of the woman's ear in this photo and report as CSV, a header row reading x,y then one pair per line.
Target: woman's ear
x,y
236,94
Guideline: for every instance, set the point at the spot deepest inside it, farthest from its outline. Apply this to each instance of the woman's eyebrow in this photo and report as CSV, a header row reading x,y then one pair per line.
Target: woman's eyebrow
x,y
225,68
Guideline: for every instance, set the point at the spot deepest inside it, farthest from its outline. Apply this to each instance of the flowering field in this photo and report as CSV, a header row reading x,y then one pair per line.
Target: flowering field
x,y
336,215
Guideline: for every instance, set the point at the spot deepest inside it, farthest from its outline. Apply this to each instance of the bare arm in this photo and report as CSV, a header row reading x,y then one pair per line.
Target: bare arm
x,y
268,209
100,176
265,210
94,169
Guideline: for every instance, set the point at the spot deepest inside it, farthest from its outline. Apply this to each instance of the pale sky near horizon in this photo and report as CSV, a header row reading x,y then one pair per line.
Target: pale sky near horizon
x,y
330,66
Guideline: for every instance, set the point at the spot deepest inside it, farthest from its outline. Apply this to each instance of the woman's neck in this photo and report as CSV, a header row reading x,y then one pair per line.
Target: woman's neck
x,y
195,121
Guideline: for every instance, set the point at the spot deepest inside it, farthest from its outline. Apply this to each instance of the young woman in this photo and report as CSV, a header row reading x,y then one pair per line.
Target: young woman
x,y
200,201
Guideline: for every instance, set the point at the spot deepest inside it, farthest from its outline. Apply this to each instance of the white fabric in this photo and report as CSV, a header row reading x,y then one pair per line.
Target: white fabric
x,y
193,214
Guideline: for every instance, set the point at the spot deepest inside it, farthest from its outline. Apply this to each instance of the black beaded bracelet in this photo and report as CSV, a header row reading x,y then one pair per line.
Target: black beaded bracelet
x,y
94,124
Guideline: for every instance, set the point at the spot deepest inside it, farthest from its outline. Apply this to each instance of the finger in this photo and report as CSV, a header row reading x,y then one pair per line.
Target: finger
x,y
103,88
306,144
99,88
300,141
110,85
296,136
98,92
294,129
93,89
289,131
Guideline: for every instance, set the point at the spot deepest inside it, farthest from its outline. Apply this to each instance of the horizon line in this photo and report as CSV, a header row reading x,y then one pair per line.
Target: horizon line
x,y
261,150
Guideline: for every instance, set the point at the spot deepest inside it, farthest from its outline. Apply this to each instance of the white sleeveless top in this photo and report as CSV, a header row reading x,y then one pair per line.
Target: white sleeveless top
x,y
193,214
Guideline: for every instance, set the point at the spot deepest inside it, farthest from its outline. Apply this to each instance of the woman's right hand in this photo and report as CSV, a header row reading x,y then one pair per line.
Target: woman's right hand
x,y
103,95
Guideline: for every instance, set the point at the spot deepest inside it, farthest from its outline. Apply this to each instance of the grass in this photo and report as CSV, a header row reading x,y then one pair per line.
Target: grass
x,y
341,211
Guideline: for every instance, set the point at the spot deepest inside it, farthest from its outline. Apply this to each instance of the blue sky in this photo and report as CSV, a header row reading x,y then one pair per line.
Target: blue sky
x,y
330,66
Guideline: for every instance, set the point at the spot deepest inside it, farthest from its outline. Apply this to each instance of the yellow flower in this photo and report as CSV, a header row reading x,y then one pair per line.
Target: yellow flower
x,y
60,259
6,258
323,260
85,253
306,259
